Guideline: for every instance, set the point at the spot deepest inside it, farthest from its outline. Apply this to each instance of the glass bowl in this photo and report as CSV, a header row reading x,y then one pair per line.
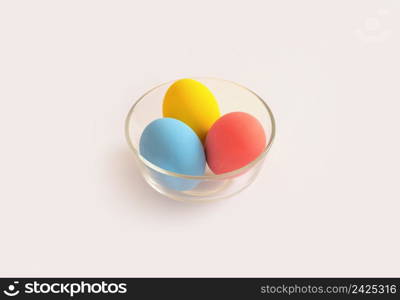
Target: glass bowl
x,y
231,97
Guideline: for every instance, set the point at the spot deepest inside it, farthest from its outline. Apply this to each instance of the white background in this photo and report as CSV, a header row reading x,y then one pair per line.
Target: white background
x,y
72,202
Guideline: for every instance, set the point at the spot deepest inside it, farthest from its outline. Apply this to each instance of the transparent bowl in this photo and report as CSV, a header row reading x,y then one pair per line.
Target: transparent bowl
x,y
231,97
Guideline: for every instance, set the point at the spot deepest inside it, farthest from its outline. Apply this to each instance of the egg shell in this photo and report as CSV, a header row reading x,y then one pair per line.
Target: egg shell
x,y
235,140
172,145
191,102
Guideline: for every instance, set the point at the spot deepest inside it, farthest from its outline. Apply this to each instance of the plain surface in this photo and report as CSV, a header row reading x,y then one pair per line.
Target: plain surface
x,y
72,202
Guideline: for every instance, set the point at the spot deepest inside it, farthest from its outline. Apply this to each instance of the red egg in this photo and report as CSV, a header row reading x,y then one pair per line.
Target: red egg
x,y
233,141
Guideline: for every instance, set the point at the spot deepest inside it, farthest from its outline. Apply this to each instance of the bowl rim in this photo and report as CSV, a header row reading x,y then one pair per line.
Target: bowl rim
x,y
200,177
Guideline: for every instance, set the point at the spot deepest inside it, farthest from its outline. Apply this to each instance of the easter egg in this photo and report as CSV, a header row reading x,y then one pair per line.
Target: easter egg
x,y
191,102
235,140
172,145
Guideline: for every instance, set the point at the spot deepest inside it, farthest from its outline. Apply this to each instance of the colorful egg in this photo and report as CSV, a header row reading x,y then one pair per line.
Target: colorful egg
x,y
235,140
191,102
172,145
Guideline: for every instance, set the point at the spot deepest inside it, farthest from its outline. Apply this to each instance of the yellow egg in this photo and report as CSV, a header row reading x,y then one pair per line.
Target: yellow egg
x,y
193,103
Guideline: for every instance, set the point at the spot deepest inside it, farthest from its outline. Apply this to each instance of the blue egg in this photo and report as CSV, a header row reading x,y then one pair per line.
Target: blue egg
x,y
172,145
